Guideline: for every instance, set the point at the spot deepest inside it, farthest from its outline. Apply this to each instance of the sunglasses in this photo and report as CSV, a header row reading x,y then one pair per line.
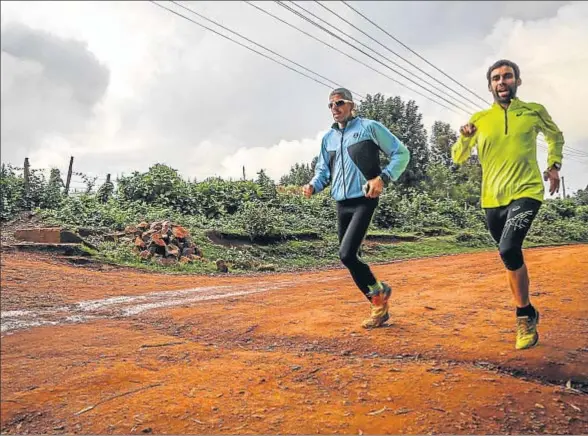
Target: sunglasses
x,y
338,103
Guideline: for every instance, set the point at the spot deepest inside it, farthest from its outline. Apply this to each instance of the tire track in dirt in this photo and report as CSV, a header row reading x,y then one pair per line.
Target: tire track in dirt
x,y
129,305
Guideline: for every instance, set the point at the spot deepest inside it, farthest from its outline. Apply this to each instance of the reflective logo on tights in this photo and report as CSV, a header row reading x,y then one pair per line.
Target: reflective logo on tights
x,y
519,221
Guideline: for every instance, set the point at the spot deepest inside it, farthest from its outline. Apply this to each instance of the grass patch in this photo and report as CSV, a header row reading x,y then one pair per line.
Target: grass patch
x,y
287,256
295,255
426,247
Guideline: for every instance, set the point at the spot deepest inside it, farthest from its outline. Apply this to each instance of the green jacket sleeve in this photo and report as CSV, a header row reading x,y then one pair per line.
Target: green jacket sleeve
x,y
462,149
553,136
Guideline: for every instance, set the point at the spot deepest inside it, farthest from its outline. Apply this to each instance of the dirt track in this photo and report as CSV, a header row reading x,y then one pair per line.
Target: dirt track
x,y
120,351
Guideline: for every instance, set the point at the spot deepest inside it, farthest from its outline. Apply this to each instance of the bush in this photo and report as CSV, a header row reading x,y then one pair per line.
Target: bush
x,y
258,220
388,214
300,214
161,185
11,192
564,208
87,211
41,193
582,213
420,211
571,230
474,239
216,197
259,211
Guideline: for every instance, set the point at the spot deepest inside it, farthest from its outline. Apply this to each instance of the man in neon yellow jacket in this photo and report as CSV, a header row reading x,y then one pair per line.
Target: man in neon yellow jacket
x,y
512,187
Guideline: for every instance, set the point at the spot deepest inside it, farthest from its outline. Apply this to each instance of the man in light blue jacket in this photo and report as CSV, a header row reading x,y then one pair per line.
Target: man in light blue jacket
x,y
350,161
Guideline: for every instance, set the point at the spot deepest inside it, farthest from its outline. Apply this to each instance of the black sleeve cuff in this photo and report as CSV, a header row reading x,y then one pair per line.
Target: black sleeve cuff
x,y
385,178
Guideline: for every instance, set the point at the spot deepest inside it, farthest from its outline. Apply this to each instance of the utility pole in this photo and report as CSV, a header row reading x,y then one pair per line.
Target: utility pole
x,y
563,185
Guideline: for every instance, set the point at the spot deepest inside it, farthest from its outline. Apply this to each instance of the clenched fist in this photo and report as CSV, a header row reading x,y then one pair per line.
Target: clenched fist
x,y
467,130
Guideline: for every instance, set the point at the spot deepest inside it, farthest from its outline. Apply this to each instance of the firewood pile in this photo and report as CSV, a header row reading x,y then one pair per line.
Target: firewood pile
x,y
164,241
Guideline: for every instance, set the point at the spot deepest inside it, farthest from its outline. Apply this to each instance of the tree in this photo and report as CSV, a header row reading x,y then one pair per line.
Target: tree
x,y
52,195
55,180
267,185
405,121
581,196
300,174
442,138
440,182
105,192
313,165
468,181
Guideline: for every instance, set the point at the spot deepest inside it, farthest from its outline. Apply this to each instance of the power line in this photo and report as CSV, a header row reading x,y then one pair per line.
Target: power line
x,y
578,153
371,49
391,51
242,45
575,152
253,42
576,159
349,56
567,149
367,54
412,51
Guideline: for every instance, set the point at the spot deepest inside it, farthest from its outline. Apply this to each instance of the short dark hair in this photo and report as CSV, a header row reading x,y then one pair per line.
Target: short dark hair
x,y
344,92
502,63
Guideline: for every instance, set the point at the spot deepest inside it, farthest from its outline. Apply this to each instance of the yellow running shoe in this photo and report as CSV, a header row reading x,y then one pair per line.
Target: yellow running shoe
x,y
527,335
379,306
378,317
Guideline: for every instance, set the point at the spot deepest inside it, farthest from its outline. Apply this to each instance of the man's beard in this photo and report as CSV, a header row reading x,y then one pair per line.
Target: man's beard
x,y
512,92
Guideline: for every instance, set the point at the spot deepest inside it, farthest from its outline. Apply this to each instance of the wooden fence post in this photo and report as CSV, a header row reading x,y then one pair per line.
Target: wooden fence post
x,y
69,175
27,182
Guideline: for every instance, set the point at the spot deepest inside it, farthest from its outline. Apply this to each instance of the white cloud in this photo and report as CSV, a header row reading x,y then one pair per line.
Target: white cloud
x,y
275,160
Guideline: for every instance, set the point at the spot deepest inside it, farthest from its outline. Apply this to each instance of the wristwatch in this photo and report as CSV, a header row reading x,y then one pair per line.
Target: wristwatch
x,y
556,165
385,178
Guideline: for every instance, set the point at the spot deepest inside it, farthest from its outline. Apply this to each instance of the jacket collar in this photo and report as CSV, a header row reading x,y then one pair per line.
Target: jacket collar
x,y
514,104
351,120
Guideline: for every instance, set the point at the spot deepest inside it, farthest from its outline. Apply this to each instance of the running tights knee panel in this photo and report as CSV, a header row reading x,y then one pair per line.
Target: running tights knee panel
x,y
509,225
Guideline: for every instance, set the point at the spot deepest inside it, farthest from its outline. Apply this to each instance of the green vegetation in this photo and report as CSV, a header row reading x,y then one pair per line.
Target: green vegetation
x,y
432,210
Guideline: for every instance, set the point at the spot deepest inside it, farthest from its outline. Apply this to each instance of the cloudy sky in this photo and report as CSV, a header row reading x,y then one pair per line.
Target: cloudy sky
x,y
123,85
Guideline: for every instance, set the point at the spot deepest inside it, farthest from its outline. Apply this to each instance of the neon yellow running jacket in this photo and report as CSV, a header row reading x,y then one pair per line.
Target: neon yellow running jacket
x,y
507,149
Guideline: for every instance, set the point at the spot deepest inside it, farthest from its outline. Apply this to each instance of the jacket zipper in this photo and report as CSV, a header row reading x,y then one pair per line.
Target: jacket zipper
x,y
343,166
505,121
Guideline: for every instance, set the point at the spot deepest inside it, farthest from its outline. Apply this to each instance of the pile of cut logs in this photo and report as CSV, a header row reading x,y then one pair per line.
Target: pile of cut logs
x,y
164,241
